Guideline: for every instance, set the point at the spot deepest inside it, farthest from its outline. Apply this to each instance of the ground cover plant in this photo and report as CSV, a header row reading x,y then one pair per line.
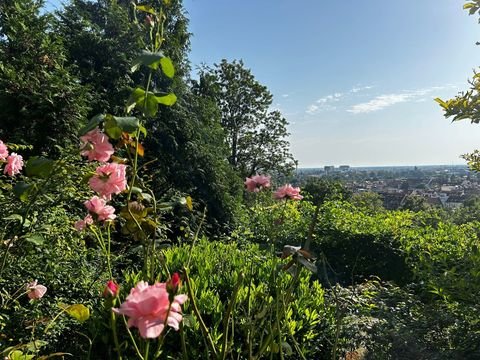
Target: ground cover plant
x,y
125,232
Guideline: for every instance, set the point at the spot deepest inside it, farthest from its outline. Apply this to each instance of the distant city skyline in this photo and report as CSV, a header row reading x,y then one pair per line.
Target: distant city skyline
x,y
356,83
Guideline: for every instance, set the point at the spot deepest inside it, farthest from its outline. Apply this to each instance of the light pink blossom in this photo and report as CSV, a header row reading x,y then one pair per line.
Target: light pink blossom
x,y
80,225
147,308
14,164
257,183
100,208
3,151
109,179
35,291
95,146
288,192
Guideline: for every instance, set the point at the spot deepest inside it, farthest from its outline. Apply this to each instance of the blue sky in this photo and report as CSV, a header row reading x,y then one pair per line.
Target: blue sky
x,y
355,79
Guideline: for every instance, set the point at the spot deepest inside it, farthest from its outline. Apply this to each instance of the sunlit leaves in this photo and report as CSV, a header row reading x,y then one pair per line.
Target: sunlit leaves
x,y
154,60
167,100
147,58
145,8
115,126
167,67
472,7
148,103
78,311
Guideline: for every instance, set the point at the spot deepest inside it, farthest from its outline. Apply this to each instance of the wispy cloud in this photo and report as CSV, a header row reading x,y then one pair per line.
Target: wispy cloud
x,y
357,89
381,102
312,109
324,103
330,98
285,95
327,103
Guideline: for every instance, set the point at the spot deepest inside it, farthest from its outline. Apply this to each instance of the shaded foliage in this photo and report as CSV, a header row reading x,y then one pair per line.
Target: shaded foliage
x,y
42,102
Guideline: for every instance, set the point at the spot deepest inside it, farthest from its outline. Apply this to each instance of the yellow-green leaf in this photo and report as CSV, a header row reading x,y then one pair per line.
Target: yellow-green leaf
x,y
167,67
146,8
167,100
77,311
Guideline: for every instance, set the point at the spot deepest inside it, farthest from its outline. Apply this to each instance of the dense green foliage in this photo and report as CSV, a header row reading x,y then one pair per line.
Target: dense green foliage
x,y
256,136
41,99
331,276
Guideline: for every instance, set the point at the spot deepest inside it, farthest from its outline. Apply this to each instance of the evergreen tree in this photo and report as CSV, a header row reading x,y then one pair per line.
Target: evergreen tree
x,y
42,103
185,144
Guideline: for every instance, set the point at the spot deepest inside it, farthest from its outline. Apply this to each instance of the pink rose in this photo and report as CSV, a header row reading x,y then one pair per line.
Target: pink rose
x,y
111,289
147,309
81,225
3,151
95,146
99,207
257,183
109,179
35,291
288,192
14,164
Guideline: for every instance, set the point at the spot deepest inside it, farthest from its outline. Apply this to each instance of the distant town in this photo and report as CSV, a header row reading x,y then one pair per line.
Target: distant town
x,y
440,185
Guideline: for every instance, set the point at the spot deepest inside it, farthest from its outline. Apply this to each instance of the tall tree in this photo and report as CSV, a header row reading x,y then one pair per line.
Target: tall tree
x,y
42,103
185,145
256,136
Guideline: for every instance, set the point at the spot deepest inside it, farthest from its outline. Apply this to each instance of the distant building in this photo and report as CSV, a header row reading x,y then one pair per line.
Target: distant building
x,y
329,168
344,167
455,201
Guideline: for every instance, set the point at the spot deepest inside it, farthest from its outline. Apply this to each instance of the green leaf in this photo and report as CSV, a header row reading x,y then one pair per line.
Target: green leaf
x,y
34,346
114,126
18,355
35,239
77,311
147,58
287,348
146,8
92,124
167,100
167,67
143,130
22,190
127,124
152,106
135,96
14,217
111,127
39,167
137,99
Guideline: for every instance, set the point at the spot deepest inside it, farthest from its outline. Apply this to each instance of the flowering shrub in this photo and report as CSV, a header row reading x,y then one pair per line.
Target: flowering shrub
x,y
257,183
288,192
96,146
150,309
14,162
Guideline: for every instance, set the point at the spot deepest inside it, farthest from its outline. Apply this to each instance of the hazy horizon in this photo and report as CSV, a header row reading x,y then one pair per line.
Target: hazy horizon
x,y
356,83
